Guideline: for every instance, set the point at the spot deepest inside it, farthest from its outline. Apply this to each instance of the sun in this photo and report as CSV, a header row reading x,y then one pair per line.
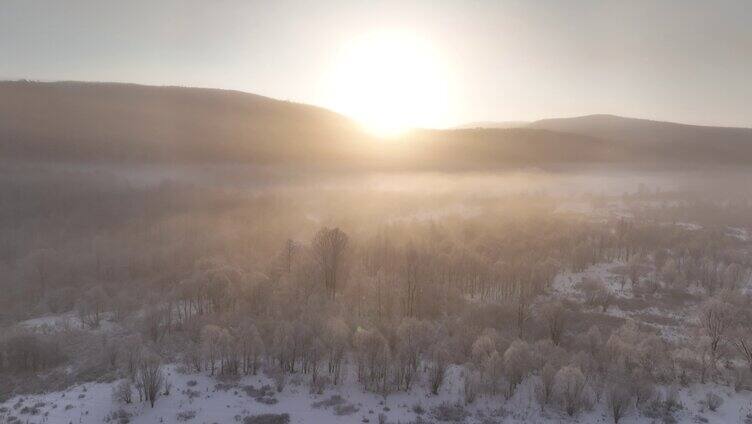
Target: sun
x,y
390,81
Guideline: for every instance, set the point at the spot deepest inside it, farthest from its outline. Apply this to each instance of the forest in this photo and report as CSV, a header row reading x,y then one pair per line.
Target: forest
x,y
594,302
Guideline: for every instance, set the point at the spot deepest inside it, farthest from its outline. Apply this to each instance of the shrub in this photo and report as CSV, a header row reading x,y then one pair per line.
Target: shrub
x,y
267,419
333,400
29,410
345,409
570,386
264,394
618,400
713,401
121,416
280,379
319,384
192,394
664,409
447,412
123,392
186,415
471,386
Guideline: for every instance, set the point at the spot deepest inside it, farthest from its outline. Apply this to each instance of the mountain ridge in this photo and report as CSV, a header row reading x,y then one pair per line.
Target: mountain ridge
x,y
124,122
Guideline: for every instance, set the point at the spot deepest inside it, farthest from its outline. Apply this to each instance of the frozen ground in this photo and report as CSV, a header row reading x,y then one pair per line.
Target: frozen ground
x,y
209,401
566,282
54,323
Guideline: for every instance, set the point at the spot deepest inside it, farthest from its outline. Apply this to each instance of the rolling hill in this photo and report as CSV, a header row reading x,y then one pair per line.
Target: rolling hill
x,y
661,141
126,123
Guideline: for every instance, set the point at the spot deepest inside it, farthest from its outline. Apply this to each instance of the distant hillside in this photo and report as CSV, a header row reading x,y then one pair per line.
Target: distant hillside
x,y
493,124
123,123
489,148
656,140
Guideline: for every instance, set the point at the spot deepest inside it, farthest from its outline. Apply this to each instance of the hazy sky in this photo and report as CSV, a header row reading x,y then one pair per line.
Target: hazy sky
x,y
687,61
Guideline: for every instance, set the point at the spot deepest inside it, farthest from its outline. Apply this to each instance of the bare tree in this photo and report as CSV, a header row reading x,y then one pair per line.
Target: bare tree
x,y
710,277
372,355
251,347
123,392
471,384
329,247
553,315
150,378
635,270
618,399
716,319
522,313
289,251
570,386
336,335
40,266
516,364
91,307
211,340
741,338
544,390
439,364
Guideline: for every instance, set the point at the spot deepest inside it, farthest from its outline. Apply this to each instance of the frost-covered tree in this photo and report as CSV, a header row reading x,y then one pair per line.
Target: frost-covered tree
x,y
517,364
91,307
373,356
570,388
251,347
336,340
553,316
618,400
329,246
716,320
150,378
544,389
212,337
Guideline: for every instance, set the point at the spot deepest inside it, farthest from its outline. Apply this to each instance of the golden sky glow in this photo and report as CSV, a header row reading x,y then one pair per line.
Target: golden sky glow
x,y
442,62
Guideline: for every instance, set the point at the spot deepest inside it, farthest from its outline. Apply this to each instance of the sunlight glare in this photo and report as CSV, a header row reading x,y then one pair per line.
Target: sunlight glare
x,y
391,82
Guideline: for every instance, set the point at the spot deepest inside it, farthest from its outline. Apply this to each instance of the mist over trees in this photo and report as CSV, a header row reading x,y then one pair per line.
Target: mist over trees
x,y
335,287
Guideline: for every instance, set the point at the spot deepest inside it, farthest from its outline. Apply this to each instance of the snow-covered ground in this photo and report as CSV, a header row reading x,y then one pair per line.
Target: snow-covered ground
x,y
67,321
565,283
739,233
199,398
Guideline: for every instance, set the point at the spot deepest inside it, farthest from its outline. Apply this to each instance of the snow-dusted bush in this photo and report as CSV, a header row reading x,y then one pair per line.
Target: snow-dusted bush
x,y
516,364
471,384
372,357
186,415
570,387
438,366
121,416
664,407
716,319
123,391
448,412
553,317
713,401
319,384
267,419
544,389
618,400
641,387
279,377
150,379
345,409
